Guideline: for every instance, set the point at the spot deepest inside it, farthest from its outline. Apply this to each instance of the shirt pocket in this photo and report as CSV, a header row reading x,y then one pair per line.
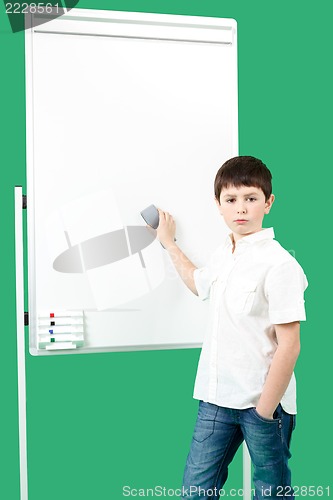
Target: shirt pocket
x,y
240,298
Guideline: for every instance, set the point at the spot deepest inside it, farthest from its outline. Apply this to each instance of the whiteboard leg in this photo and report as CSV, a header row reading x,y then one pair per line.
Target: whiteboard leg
x,y
21,344
246,473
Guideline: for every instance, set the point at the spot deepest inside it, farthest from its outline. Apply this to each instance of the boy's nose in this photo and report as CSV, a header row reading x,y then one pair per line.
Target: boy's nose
x,y
241,209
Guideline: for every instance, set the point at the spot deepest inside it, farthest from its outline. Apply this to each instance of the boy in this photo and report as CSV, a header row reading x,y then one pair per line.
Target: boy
x,y
245,381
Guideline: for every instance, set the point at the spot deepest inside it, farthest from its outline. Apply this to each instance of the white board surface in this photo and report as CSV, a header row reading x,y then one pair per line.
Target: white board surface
x,y
123,110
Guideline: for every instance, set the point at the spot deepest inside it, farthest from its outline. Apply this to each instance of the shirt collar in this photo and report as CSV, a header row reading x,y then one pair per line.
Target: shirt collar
x,y
264,234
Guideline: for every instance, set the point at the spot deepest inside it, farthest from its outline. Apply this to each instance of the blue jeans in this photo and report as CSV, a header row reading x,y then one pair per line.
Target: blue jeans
x,y
218,434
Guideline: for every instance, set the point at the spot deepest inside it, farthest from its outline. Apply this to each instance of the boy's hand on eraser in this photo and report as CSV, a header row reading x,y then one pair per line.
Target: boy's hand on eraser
x,y
166,229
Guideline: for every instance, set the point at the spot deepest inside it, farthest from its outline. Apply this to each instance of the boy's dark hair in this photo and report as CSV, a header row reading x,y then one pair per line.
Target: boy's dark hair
x,y
243,171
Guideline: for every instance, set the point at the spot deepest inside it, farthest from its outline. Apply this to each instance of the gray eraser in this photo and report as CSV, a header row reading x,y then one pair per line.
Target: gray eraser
x,y
151,216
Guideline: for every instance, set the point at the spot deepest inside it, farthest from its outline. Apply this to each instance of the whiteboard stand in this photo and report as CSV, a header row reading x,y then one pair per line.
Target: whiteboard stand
x,y
21,374
246,473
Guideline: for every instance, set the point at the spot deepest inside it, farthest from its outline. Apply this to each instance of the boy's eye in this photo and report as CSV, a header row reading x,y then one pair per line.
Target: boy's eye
x,y
231,200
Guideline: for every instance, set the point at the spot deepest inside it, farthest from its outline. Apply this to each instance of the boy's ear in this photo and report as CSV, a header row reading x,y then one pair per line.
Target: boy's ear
x,y
269,203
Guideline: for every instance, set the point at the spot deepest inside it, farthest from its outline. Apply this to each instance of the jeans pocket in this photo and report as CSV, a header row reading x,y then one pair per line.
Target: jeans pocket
x,y
276,415
205,423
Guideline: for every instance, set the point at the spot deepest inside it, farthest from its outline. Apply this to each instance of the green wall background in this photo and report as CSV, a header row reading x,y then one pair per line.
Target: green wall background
x,y
99,422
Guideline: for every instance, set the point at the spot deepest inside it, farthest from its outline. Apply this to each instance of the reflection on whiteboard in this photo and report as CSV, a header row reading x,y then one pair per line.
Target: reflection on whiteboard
x,y
121,262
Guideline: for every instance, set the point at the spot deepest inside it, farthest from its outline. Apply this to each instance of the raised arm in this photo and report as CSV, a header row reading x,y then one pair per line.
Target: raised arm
x,y
166,234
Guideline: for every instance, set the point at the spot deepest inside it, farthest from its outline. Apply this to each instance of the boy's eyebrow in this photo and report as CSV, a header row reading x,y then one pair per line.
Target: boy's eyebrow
x,y
246,194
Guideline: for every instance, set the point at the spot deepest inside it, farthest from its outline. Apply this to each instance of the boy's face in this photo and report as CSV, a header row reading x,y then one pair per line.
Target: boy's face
x,y
243,209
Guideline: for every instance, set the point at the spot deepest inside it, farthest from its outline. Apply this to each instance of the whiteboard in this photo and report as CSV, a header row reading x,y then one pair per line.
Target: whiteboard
x,y
124,110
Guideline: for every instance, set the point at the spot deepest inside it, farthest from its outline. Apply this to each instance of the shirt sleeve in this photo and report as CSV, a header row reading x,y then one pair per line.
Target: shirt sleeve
x,y
204,276
284,289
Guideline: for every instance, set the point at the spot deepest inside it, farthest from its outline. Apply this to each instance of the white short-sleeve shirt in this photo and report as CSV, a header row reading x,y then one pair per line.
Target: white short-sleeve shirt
x,y
250,290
